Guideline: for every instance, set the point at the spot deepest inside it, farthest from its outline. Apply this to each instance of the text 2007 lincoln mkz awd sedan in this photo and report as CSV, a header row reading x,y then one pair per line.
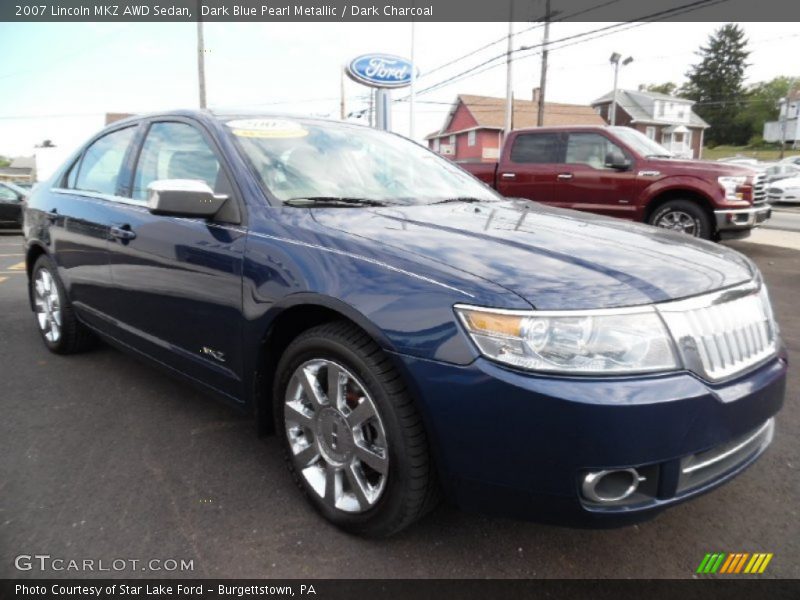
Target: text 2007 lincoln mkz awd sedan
x,y
409,333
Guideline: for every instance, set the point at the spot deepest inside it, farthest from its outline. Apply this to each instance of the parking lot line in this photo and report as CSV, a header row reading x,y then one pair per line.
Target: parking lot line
x,y
17,267
2,279
7,255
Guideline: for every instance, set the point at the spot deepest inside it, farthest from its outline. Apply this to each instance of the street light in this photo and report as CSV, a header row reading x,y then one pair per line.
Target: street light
x,y
614,60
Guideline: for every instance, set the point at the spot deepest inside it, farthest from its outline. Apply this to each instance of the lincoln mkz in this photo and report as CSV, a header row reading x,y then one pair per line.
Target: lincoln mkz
x,y
407,332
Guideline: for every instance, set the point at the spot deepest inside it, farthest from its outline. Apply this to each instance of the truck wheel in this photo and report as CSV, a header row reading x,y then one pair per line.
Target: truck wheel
x,y
684,216
352,437
61,331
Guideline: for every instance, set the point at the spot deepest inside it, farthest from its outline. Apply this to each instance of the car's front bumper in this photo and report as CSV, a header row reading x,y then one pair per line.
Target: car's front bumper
x,y
516,444
740,219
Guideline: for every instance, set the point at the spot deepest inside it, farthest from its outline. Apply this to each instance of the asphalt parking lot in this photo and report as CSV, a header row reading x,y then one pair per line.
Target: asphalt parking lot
x,y
103,458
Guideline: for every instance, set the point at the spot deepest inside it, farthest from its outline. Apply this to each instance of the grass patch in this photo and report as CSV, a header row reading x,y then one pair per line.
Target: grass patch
x,y
768,154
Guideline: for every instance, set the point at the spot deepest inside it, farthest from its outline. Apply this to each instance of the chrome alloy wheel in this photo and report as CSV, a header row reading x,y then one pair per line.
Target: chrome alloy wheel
x,y
677,220
48,305
336,437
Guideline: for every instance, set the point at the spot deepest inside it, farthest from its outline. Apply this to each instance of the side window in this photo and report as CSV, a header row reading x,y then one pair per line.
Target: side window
x,y
7,194
590,149
99,168
176,151
537,148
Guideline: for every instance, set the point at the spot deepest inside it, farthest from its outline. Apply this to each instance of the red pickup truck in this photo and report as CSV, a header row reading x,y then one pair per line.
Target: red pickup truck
x,y
620,172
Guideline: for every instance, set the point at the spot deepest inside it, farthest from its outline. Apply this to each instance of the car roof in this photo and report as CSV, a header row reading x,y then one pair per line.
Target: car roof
x,y
218,115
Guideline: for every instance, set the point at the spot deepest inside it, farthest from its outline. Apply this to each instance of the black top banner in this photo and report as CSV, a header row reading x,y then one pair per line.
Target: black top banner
x,y
398,10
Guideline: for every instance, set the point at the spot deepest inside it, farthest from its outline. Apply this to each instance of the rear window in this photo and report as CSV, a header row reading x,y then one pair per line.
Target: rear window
x,y
537,148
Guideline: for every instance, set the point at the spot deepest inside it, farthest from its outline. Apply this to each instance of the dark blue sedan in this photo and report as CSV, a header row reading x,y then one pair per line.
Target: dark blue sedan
x,y
407,332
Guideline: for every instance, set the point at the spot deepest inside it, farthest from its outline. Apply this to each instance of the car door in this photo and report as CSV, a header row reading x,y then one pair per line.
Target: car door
x,y
78,213
178,281
10,205
528,169
585,182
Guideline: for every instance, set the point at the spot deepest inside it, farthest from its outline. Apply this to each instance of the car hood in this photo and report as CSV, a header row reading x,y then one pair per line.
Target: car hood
x,y
786,183
702,167
553,258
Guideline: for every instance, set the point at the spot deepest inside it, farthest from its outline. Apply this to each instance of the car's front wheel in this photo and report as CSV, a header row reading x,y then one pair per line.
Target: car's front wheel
x,y
353,438
684,216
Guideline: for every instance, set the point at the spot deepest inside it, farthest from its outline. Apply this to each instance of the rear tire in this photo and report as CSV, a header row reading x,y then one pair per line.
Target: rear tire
x,y
60,329
684,216
370,416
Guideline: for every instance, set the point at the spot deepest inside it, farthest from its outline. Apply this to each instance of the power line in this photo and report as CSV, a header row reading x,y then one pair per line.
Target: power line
x,y
575,38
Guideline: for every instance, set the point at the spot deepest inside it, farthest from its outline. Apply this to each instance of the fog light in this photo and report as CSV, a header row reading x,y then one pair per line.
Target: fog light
x,y
610,486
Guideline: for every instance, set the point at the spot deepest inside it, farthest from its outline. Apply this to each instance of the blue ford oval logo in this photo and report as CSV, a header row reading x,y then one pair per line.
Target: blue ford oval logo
x,y
381,70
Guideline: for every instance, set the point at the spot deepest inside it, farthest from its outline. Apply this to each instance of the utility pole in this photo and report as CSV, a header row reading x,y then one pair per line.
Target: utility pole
x,y
413,95
785,117
543,77
509,83
201,64
342,112
614,60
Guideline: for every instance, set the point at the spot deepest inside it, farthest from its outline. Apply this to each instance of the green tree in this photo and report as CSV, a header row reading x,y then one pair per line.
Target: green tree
x,y
4,162
668,88
716,84
763,100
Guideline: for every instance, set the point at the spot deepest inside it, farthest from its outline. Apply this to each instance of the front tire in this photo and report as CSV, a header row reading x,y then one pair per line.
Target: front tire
x,y
684,216
60,329
352,437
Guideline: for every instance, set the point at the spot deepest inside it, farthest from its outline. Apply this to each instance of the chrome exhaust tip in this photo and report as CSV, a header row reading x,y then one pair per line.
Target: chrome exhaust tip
x,y
610,485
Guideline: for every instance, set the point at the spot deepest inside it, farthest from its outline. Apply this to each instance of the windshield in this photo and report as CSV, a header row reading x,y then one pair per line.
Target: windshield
x,y
640,143
299,160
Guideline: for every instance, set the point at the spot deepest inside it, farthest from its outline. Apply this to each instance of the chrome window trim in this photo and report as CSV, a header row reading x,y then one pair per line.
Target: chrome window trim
x,y
101,196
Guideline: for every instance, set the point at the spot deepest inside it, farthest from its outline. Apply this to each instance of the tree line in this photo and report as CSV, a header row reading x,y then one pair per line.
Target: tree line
x,y
735,112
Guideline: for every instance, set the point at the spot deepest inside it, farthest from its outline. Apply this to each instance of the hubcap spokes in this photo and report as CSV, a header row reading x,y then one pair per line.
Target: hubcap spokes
x,y
678,221
47,305
336,436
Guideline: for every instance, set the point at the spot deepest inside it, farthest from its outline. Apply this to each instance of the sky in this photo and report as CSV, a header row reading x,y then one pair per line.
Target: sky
x,y
58,79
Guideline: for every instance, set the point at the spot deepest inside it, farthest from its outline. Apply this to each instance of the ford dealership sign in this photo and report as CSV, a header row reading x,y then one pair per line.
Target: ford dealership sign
x,y
381,70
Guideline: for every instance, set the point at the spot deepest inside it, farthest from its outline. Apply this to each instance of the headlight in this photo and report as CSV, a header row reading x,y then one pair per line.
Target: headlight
x,y
577,342
736,188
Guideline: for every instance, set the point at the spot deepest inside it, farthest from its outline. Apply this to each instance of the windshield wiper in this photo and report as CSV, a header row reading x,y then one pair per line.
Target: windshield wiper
x,y
331,201
458,199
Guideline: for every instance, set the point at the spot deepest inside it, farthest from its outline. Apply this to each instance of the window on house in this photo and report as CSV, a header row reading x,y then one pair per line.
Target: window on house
x,y
452,140
661,108
436,143
471,138
689,138
650,132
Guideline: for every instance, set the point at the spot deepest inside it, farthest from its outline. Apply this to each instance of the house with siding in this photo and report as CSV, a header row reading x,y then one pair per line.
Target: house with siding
x,y
473,128
668,120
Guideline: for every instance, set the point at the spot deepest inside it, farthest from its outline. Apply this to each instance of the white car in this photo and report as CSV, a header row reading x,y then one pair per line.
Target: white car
x,y
784,190
793,160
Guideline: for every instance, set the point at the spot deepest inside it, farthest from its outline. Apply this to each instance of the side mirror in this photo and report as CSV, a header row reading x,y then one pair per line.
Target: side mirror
x,y
617,160
183,198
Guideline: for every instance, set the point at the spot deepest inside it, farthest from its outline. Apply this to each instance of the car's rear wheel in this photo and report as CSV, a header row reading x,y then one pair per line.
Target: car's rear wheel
x,y
683,216
353,438
60,329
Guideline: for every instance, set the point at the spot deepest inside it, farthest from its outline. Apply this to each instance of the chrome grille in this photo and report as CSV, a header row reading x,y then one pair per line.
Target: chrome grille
x,y
759,189
720,335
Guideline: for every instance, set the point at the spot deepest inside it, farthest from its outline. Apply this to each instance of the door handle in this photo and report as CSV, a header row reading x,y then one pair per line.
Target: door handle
x,y
508,175
52,215
122,232
565,175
